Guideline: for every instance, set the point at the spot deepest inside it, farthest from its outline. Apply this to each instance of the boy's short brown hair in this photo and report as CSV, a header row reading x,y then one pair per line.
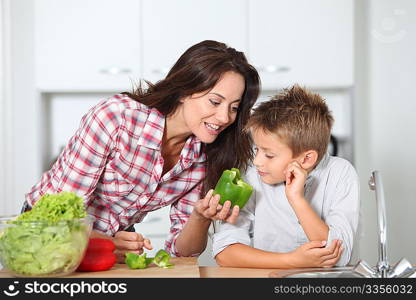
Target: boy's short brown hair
x,y
297,116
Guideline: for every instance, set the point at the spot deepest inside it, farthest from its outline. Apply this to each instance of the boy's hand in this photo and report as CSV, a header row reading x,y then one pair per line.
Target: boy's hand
x,y
209,208
295,181
314,254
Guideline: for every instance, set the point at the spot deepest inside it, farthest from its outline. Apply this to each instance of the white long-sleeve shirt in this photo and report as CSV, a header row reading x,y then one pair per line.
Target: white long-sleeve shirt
x,y
269,223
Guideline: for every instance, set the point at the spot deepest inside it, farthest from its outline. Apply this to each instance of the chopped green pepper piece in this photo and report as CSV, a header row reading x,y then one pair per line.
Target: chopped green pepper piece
x,y
231,187
162,259
135,261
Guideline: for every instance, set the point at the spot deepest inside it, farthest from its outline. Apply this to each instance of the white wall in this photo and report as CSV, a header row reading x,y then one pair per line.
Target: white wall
x,y
6,108
22,154
367,239
3,123
385,121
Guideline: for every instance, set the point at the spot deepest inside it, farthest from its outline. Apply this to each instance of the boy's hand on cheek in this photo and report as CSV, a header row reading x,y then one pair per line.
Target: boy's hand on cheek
x,y
295,181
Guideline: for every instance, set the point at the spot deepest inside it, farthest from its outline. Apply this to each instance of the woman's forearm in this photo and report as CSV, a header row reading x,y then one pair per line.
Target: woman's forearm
x,y
194,235
243,256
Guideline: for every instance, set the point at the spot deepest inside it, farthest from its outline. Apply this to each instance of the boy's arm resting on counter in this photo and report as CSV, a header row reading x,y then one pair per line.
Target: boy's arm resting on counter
x,y
312,254
232,248
240,255
340,221
344,215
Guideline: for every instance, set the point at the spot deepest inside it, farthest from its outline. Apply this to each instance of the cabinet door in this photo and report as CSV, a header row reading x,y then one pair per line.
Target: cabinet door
x,y
309,42
87,44
170,27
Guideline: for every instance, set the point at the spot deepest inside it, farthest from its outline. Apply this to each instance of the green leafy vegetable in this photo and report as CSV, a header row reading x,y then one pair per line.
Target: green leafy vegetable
x,y
50,238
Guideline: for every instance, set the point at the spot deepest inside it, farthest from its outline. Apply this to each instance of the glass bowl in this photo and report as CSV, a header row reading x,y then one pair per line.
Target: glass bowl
x,y
41,248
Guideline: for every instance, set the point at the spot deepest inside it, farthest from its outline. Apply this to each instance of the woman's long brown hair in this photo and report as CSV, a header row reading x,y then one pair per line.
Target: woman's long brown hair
x,y
197,70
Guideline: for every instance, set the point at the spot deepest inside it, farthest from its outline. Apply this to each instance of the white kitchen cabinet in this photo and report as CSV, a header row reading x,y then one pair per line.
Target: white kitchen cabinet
x,y
97,45
309,42
87,44
170,27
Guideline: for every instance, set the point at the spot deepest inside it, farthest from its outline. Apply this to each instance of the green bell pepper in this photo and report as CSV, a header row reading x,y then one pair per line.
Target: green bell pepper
x,y
162,259
134,261
231,187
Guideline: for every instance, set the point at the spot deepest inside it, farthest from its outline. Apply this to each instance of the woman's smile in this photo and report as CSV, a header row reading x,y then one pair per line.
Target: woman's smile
x,y
213,129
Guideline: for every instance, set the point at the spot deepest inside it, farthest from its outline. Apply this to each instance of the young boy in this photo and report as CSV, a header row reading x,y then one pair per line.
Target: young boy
x,y
304,210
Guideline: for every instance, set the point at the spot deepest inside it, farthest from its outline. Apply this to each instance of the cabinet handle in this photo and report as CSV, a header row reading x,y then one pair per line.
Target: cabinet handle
x,y
162,71
115,71
273,69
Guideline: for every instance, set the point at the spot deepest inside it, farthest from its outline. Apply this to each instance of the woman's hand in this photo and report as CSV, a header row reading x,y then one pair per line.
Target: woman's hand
x,y
129,242
314,254
209,208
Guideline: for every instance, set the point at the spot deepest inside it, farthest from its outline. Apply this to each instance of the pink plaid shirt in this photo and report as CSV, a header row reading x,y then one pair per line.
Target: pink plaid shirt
x,y
114,161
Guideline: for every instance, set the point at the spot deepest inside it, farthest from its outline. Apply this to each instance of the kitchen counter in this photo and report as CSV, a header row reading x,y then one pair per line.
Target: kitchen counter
x,y
226,272
185,267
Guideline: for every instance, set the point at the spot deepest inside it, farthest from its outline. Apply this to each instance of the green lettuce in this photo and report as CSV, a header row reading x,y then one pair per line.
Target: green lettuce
x,y
48,239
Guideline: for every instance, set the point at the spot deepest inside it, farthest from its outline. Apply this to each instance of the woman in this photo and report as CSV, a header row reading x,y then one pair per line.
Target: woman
x,y
164,145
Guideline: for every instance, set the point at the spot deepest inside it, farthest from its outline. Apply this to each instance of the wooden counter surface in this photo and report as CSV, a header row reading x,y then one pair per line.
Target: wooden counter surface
x,y
185,267
225,272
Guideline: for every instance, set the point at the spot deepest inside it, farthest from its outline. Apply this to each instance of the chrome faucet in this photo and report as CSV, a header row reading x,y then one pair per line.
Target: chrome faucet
x,y
383,269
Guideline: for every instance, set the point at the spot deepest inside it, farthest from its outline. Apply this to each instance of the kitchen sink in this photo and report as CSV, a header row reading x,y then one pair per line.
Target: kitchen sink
x,y
339,272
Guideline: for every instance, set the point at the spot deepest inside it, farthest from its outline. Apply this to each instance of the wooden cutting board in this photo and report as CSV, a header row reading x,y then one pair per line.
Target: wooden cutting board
x,y
185,267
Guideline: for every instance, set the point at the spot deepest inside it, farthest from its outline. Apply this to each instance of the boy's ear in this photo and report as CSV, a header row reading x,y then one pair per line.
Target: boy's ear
x,y
308,159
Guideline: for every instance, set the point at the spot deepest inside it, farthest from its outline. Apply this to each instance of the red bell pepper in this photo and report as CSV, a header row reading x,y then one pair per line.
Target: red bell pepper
x,y
99,256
